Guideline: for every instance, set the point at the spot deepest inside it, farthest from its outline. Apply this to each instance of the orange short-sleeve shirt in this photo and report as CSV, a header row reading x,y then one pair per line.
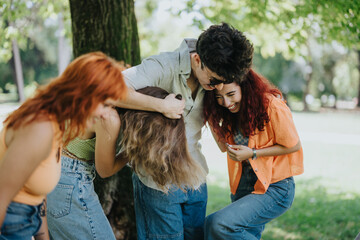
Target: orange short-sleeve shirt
x,y
279,130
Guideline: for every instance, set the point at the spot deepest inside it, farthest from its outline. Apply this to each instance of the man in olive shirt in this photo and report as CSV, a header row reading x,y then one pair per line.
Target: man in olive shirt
x,y
220,55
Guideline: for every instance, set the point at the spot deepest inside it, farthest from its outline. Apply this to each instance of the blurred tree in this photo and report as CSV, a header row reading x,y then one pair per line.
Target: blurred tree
x,y
20,21
286,74
110,26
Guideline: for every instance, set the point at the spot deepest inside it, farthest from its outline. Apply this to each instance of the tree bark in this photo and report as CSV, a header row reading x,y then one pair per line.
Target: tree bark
x,y
358,103
110,26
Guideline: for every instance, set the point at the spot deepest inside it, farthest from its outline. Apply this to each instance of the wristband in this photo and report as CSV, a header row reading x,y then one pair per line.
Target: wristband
x,y
254,154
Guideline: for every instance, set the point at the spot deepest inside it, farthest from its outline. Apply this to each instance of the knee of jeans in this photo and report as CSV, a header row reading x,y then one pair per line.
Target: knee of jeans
x,y
218,223
213,222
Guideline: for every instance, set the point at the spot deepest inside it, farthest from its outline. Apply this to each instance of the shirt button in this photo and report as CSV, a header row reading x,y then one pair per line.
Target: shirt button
x,y
264,183
256,169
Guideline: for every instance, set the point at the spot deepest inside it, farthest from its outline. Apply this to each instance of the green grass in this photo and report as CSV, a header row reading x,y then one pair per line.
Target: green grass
x,y
315,213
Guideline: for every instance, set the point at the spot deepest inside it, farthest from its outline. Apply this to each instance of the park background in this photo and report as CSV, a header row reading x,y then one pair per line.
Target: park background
x,y
309,49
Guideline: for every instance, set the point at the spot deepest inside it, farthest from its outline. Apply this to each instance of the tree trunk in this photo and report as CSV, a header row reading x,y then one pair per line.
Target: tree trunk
x,y
358,103
308,78
64,51
19,78
110,26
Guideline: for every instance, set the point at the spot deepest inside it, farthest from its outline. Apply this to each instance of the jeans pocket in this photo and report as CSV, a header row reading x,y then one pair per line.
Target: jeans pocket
x,y
284,191
59,201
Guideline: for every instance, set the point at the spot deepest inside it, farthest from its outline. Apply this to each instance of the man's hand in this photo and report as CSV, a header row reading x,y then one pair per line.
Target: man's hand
x,y
173,107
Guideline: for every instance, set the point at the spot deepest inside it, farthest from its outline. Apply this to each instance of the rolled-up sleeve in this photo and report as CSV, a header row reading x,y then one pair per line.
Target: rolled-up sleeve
x,y
148,73
282,123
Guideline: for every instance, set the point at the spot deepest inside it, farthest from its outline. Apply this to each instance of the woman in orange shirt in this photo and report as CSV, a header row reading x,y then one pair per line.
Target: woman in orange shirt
x,y
33,135
251,122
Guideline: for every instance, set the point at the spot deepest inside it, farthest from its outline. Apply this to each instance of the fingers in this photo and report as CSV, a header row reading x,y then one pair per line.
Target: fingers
x,y
175,106
236,152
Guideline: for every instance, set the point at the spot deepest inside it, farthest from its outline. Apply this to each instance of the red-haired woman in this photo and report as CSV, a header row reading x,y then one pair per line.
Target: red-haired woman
x,y
73,207
252,123
33,136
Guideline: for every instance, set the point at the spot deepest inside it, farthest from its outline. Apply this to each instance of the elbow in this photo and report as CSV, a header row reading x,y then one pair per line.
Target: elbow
x,y
297,147
104,173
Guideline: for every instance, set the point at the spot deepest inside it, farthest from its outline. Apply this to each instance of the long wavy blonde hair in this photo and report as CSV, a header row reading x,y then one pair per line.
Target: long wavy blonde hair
x,y
156,146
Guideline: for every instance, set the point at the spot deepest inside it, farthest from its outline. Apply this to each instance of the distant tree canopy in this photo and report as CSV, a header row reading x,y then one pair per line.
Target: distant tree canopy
x,y
291,21
292,28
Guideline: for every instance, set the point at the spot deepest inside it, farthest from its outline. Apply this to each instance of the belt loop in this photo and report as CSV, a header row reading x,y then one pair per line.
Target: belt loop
x,y
74,166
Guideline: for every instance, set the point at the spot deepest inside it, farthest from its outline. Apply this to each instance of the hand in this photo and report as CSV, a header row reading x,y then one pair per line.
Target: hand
x,y
173,107
239,152
108,124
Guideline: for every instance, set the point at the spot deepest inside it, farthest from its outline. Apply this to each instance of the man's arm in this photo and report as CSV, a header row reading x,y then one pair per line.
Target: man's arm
x,y
170,107
153,71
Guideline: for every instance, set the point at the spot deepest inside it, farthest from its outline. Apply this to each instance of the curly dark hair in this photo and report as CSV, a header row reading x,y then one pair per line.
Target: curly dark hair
x,y
225,51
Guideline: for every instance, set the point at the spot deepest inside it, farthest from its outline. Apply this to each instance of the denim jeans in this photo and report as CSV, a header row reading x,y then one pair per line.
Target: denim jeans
x,y
21,222
176,215
73,208
246,216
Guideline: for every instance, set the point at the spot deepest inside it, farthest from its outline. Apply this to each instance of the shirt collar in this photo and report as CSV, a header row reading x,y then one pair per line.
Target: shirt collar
x,y
187,45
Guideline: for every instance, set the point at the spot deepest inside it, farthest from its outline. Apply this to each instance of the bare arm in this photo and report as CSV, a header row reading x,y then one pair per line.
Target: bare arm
x,y
35,142
170,106
107,131
220,143
241,152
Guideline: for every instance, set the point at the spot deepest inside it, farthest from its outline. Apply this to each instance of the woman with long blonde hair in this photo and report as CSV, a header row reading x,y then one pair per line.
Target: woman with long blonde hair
x,y
33,136
156,147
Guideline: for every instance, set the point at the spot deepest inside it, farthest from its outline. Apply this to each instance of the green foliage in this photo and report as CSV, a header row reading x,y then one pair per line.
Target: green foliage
x,y
283,73
18,18
285,25
37,67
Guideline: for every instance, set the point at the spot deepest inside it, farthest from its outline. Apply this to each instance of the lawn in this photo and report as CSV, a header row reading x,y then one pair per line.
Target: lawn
x,y
327,201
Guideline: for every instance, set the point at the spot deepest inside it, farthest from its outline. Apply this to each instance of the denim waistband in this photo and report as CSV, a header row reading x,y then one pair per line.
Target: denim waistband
x,y
75,165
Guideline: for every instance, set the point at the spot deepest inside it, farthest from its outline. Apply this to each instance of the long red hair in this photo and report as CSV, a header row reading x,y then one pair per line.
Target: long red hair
x,y
71,98
253,107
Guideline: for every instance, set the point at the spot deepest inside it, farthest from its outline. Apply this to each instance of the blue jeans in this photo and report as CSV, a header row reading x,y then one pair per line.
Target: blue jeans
x,y
246,216
176,215
21,222
73,208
